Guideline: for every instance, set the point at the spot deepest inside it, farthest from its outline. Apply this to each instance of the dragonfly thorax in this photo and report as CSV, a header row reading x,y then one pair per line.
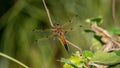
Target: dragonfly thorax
x,y
59,30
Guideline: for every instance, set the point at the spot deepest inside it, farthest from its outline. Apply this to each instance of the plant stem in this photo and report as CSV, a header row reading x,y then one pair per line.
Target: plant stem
x,y
113,12
10,58
47,11
80,50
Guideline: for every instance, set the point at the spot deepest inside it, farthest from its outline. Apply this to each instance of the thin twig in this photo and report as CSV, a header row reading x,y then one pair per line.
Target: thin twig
x,y
14,60
47,11
113,12
80,50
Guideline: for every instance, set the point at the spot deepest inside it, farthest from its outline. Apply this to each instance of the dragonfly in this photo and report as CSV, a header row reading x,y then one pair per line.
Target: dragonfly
x,y
58,30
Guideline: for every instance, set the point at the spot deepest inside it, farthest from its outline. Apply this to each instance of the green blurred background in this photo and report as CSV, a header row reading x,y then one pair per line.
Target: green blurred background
x,y
18,19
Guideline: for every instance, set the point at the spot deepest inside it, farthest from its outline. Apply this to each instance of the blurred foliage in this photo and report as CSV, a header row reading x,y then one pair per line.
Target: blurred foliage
x,y
97,20
106,58
18,19
77,61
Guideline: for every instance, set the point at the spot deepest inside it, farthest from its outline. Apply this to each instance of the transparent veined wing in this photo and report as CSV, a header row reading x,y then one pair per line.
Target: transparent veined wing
x,y
39,35
75,34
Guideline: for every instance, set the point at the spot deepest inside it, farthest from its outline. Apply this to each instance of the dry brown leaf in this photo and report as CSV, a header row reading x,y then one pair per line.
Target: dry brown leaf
x,y
110,42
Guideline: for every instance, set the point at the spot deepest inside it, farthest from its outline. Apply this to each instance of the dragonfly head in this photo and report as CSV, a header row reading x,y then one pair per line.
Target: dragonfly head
x,y
57,26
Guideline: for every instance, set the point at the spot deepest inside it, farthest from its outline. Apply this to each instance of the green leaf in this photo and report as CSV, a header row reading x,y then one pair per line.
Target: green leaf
x,y
88,54
97,20
97,37
115,30
96,45
67,66
67,61
117,52
77,61
106,58
88,30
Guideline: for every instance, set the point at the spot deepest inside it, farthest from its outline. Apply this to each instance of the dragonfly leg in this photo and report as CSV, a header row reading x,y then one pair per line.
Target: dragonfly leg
x,y
69,30
69,21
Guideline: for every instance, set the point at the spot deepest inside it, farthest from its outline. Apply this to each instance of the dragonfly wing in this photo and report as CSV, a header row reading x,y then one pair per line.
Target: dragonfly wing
x,y
70,21
42,34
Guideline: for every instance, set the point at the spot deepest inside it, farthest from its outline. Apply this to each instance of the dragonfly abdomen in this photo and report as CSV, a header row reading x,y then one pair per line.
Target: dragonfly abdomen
x,y
63,41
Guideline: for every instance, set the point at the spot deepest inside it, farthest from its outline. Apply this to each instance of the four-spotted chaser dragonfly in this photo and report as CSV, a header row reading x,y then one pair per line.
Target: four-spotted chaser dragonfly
x,y
58,30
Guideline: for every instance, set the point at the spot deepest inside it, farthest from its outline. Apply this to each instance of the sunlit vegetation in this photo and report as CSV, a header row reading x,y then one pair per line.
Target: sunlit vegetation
x,y
92,25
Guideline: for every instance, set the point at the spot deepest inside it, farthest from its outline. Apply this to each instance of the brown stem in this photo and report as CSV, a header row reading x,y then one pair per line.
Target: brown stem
x,y
113,12
47,11
80,50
